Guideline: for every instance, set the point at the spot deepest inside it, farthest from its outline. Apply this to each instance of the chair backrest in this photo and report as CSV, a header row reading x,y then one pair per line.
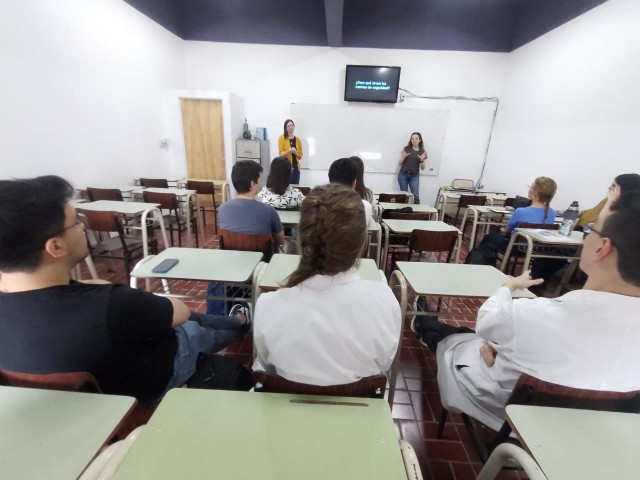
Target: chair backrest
x,y
469,200
154,182
304,190
67,381
544,226
429,241
104,194
410,215
394,197
463,183
202,188
167,201
370,387
519,202
246,242
100,221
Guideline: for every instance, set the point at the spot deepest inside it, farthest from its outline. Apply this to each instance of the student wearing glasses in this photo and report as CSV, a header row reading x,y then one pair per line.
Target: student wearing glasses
x,y
626,182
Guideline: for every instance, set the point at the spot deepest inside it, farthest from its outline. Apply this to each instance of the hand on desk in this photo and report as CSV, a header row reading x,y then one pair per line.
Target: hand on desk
x,y
523,281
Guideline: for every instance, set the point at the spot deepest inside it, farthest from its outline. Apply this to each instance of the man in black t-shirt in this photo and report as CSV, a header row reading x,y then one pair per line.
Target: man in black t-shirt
x,y
134,342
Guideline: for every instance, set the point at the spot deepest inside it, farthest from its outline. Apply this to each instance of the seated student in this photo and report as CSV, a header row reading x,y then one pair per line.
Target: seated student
x,y
345,171
587,338
364,192
278,192
626,182
328,326
133,342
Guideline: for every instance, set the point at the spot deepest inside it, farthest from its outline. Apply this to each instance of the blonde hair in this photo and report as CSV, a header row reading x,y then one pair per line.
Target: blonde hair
x,y
332,232
546,189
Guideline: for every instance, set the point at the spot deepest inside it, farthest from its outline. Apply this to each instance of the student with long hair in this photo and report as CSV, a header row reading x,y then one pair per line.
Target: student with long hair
x,y
365,193
290,147
627,182
278,192
413,158
328,326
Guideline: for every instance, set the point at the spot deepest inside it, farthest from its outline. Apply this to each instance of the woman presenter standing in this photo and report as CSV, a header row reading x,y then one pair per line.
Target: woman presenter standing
x,y
290,147
413,158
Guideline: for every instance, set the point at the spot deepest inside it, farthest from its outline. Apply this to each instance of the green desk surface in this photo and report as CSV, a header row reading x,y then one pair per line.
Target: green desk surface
x,y
47,434
197,434
289,217
408,226
456,280
576,444
203,264
281,266
127,208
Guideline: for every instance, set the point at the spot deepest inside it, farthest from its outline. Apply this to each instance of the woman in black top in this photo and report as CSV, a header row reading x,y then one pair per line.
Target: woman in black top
x,y
413,158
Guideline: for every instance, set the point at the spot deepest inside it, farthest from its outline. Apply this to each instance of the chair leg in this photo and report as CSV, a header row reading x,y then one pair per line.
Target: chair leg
x,y
204,216
479,445
442,422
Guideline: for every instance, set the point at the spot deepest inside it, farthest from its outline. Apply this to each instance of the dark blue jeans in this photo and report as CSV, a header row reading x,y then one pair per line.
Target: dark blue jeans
x,y
295,176
410,181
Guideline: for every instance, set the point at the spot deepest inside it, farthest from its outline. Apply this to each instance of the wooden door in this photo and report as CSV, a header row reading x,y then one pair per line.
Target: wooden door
x,y
203,138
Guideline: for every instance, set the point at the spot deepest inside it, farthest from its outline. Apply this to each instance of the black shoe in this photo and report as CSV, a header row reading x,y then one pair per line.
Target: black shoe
x,y
239,308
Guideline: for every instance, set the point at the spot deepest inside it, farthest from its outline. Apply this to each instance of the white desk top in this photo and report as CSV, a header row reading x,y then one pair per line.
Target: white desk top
x,y
289,217
416,207
456,280
492,196
127,208
552,236
196,434
203,264
281,266
579,444
407,226
54,435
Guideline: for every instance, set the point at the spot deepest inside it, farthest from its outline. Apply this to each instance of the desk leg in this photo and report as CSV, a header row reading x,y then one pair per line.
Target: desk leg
x,y
507,253
378,246
157,215
385,247
458,247
395,365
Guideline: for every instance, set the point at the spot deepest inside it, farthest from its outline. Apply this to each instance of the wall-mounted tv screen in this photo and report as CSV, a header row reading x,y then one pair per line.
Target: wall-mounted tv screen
x,y
367,83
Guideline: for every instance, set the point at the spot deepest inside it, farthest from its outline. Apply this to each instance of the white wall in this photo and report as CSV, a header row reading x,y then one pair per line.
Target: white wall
x,y
570,108
81,88
271,77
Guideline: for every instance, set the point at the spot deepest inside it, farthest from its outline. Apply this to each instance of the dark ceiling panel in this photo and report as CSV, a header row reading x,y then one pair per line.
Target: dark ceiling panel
x,y
249,21
463,25
542,16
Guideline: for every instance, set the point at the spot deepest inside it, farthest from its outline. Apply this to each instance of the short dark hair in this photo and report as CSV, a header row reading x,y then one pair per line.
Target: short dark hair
x,y
279,177
31,212
243,173
343,171
620,226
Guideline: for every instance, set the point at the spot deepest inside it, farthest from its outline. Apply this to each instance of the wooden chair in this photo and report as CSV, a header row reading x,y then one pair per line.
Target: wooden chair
x,y
304,190
369,387
427,241
394,197
174,219
77,382
410,216
246,242
105,224
463,202
96,194
533,391
154,183
207,200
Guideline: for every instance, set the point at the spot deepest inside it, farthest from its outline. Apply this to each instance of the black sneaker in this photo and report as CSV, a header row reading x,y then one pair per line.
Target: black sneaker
x,y
416,325
239,308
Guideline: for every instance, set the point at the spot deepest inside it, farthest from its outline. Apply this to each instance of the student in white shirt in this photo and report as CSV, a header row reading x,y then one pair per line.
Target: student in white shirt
x,y
328,326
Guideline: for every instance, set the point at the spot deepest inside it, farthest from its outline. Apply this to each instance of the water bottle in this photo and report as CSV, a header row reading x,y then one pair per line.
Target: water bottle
x,y
570,218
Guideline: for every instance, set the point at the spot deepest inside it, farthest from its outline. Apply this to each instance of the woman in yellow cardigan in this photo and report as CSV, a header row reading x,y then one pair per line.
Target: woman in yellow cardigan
x,y
290,147
622,183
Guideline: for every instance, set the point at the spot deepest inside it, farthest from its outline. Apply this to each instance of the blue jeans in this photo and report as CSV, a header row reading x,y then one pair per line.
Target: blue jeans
x,y
410,181
200,334
295,176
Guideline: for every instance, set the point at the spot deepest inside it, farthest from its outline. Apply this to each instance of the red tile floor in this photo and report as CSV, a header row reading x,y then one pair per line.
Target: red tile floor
x,y
416,406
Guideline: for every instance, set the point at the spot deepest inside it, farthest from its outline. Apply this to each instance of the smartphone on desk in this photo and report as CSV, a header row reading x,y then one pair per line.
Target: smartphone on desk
x,y
165,265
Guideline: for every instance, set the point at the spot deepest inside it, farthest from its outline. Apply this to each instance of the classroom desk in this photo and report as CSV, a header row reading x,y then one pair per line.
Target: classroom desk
x,y
52,434
486,217
405,227
579,444
281,266
197,434
545,238
291,218
184,196
131,209
417,208
493,199
205,265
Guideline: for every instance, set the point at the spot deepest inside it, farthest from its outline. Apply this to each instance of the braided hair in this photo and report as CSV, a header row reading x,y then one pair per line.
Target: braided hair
x,y
332,232
546,188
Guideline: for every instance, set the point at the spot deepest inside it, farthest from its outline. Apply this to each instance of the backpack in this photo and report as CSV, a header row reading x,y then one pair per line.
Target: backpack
x,y
217,372
387,213
483,254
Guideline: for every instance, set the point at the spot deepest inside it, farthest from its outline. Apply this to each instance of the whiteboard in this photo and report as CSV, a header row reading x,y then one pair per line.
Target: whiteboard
x,y
375,133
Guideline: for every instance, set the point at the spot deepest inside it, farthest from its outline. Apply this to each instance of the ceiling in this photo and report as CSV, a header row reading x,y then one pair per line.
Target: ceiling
x,y
463,25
